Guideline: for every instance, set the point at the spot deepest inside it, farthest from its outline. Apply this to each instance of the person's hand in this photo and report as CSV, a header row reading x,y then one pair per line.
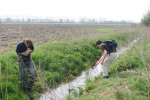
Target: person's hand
x,y
97,62
20,54
29,50
102,62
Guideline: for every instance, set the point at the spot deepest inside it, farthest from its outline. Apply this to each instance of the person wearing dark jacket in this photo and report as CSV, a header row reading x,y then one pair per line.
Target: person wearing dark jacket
x,y
24,50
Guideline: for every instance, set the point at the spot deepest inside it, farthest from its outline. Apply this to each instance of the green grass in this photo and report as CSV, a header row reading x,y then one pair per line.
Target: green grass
x,y
55,62
118,88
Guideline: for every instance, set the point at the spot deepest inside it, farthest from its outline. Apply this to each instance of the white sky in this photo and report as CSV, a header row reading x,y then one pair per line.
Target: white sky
x,y
132,10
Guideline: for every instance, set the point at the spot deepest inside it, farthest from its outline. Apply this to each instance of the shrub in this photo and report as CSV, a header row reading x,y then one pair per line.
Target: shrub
x,y
127,61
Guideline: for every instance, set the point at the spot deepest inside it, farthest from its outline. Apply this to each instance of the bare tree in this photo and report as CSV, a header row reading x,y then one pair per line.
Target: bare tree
x,y
8,20
60,20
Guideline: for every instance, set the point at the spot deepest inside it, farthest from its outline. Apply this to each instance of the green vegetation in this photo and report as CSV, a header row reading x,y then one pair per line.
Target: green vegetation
x,y
129,76
55,62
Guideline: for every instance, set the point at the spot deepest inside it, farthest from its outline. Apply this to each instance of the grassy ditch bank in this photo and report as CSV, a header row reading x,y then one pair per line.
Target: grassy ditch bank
x,y
54,62
129,76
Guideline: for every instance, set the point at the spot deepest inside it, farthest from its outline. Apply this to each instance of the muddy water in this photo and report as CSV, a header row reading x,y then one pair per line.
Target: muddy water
x,y
61,92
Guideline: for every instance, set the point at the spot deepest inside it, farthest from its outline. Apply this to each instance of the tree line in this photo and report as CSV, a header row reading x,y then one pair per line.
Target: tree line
x,y
63,20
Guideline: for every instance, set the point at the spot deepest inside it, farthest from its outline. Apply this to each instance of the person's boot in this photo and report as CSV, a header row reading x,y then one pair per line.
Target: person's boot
x,y
30,94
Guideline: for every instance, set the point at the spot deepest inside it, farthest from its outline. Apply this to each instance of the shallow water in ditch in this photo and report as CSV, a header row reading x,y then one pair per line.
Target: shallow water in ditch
x,y
64,89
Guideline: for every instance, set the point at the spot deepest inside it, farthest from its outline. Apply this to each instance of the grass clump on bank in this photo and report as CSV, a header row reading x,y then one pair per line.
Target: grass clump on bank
x,y
54,62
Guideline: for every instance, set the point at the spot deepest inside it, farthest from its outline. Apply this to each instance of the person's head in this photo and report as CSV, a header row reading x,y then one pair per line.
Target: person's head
x,y
27,42
98,43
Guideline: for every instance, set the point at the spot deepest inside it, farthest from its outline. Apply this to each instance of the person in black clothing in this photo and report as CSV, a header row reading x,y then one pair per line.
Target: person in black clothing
x,y
104,48
24,50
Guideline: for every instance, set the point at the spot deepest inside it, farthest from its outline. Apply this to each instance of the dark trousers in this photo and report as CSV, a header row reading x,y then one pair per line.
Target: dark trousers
x,y
30,67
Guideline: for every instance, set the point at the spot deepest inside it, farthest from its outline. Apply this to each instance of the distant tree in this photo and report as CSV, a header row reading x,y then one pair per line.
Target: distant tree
x,y
68,20
60,20
146,19
8,20
83,20
29,20
22,20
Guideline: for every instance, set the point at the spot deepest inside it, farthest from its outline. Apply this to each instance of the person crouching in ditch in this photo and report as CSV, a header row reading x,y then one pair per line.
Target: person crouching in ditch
x,y
24,50
104,48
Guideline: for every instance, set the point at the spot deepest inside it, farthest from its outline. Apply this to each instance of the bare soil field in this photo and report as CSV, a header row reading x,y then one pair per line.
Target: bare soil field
x,y
10,34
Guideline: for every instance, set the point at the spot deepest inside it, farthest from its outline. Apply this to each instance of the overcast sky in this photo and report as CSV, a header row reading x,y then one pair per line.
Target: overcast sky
x,y
132,10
